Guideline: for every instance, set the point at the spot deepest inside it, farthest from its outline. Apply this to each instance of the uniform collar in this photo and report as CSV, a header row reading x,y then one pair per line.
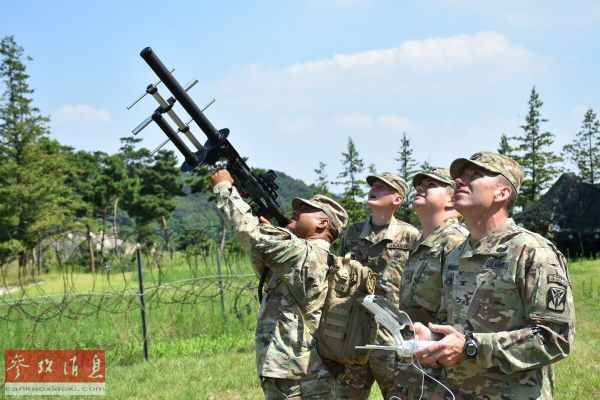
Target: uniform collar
x,y
388,233
320,243
487,245
431,240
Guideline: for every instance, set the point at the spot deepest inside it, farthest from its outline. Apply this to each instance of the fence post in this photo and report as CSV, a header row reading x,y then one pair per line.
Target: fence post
x,y
138,256
221,288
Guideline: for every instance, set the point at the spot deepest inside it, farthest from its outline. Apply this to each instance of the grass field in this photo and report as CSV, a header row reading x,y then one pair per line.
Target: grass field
x,y
195,354
578,377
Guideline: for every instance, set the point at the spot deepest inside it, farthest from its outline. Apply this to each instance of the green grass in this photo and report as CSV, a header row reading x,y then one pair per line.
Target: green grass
x,y
225,376
118,274
194,354
578,377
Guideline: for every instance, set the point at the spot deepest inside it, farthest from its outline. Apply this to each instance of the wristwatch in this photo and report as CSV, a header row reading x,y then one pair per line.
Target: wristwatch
x,y
471,346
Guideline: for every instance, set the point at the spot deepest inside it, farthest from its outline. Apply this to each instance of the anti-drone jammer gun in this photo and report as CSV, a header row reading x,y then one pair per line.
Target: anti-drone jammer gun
x,y
260,188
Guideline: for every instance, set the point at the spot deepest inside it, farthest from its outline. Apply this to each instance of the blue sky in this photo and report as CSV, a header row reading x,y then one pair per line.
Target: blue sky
x,y
294,79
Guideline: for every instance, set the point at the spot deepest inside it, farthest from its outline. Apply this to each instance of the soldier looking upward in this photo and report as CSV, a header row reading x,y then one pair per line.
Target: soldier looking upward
x,y
507,297
382,243
421,289
296,287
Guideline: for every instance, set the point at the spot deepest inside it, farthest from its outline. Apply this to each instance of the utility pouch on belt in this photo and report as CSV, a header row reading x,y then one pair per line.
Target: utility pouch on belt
x,y
346,324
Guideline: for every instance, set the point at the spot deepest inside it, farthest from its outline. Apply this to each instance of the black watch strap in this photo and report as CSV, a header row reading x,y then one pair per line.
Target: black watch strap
x,y
471,346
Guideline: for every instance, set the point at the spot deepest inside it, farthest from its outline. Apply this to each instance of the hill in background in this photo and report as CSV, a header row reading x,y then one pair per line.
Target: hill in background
x,y
196,210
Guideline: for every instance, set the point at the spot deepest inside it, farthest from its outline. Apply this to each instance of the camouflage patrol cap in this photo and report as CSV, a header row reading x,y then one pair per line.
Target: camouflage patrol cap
x,y
492,162
335,212
392,180
436,173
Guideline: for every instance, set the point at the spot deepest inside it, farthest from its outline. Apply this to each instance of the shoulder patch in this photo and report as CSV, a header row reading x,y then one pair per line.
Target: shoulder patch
x,y
556,298
557,279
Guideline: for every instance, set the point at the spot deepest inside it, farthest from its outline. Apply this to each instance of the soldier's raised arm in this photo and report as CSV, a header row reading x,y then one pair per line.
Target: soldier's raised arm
x,y
269,244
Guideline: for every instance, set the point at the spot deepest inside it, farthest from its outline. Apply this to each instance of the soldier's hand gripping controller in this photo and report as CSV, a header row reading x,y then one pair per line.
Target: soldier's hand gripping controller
x,y
394,322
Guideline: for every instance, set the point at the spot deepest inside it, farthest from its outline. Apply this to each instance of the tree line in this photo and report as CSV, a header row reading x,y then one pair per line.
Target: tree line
x,y
532,148
47,189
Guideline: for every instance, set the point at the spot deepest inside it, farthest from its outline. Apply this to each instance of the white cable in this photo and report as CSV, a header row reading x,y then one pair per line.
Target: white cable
x,y
432,378
417,366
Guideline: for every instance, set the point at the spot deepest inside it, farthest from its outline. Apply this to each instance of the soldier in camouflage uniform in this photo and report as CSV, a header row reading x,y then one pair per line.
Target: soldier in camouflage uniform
x,y
506,294
421,289
382,243
296,287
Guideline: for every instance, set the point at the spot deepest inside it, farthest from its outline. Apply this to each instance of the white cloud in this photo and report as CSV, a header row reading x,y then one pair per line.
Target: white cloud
x,y
435,54
371,75
394,122
374,96
82,113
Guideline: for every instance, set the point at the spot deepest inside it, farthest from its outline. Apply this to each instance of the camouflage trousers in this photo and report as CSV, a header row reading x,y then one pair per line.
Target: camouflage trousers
x,y
383,367
441,394
309,388
417,385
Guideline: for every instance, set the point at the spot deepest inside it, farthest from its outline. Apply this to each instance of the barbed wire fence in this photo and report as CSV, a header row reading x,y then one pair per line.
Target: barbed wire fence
x,y
83,305
185,298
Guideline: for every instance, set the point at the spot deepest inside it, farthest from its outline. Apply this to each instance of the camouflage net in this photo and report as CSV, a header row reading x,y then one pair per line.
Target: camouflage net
x,y
569,215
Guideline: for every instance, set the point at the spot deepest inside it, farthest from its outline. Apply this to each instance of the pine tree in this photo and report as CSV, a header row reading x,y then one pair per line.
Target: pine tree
x,y
34,200
135,158
99,180
505,147
353,195
535,156
425,166
160,185
111,185
135,161
406,169
148,189
372,169
322,183
406,160
585,150
84,177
